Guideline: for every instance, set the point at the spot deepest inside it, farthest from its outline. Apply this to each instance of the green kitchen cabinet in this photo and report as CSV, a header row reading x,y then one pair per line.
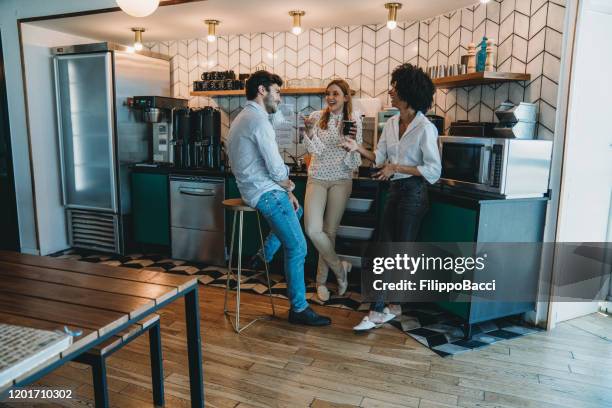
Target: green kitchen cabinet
x,y
456,216
150,208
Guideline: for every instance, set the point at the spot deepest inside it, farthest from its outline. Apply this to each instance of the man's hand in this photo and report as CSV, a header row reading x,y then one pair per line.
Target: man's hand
x,y
386,172
287,184
294,201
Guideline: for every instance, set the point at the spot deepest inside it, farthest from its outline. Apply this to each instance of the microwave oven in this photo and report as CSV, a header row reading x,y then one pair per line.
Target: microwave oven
x,y
513,168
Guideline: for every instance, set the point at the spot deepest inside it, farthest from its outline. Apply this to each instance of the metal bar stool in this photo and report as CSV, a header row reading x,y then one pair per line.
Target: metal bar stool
x,y
239,208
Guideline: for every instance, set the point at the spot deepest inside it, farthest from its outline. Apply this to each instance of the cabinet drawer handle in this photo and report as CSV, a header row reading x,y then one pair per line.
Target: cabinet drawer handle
x,y
197,192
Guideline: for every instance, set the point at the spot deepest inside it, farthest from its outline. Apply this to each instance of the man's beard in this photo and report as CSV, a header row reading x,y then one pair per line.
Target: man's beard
x,y
270,104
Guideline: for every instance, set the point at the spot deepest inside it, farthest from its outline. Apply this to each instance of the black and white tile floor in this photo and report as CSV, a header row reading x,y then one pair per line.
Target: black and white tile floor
x,y
436,329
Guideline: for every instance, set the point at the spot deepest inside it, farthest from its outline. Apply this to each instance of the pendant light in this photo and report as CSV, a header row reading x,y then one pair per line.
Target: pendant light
x,y
212,30
138,8
297,21
138,37
392,16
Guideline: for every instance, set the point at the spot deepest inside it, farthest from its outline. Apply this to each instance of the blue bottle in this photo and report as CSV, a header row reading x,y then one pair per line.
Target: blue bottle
x,y
481,55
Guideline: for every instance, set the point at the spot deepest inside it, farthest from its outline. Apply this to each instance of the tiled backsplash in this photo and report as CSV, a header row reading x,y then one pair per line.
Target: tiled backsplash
x,y
528,34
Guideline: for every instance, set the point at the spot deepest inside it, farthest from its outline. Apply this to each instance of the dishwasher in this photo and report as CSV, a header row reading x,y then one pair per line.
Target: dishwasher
x,y
197,222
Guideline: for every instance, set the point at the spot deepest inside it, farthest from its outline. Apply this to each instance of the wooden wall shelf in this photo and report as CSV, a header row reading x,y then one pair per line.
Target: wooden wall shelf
x,y
240,92
479,78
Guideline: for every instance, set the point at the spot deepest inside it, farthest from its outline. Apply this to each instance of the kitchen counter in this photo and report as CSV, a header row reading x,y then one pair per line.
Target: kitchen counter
x,y
460,196
217,173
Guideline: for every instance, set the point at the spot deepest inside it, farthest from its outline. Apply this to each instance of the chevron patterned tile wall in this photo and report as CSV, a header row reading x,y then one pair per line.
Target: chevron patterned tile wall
x,y
528,34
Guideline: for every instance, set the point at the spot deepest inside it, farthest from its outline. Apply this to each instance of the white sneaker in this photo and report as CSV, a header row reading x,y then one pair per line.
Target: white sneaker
x,y
365,324
374,320
323,293
343,281
394,309
382,317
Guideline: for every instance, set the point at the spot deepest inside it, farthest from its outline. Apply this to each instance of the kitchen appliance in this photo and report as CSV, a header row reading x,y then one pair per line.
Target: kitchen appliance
x,y
206,135
383,117
516,121
438,122
197,138
100,136
369,135
158,112
197,222
181,138
472,129
512,168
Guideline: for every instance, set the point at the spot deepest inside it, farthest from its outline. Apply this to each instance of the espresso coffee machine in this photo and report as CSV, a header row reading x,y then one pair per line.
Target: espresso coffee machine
x,y
158,112
197,136
206,128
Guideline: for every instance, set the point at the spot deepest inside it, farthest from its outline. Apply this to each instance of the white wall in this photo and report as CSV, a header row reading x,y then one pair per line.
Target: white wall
x,y
38,67
586,183
10,12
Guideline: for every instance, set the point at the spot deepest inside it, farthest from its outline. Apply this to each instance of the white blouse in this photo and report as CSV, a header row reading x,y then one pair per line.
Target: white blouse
x,y
418,147
329,161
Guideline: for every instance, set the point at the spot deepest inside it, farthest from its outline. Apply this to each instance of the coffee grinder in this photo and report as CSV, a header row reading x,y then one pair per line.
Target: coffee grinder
x,y
158,112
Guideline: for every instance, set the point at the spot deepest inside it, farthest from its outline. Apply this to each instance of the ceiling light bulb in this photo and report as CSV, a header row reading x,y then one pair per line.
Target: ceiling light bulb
x,y
297,21
138,37
484,1
392,15
212,30
138,8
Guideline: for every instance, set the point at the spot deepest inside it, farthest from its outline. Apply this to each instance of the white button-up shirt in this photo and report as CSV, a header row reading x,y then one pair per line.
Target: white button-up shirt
x,y
418,147
253,154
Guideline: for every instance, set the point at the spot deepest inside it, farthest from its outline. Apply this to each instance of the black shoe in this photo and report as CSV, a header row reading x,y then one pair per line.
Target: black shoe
x,y
308,317
256,264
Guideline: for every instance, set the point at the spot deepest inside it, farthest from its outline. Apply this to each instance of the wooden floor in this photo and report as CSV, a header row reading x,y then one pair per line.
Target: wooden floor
x,y
275,364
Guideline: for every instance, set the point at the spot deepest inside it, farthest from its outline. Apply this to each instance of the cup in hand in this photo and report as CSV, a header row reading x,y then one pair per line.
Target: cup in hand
x,y
346,128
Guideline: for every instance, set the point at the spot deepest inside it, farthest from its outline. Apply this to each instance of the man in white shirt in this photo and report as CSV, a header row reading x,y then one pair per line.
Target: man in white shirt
x,y
263,180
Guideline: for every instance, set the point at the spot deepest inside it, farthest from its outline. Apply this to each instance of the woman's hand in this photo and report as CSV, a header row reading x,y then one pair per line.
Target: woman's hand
x,y
350,145
309,123
386,172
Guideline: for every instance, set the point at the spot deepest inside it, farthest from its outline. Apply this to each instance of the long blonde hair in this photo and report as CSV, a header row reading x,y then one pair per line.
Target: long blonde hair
x,y
347,110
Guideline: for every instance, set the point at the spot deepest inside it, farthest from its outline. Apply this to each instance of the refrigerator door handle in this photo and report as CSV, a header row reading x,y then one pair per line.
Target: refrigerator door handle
x,y
110,92
59,131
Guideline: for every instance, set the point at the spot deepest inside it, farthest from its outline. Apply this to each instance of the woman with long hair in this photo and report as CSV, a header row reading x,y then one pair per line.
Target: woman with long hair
x,y
330,179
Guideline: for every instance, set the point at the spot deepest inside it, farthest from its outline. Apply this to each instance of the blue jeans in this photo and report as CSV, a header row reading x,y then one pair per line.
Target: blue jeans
x,y
284,222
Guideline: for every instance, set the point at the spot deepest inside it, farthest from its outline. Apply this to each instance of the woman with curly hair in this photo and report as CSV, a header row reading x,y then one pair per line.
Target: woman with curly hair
x,y
407,154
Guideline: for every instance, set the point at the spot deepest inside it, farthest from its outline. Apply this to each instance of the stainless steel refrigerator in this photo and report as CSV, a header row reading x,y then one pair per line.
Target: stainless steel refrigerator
x,y
100,136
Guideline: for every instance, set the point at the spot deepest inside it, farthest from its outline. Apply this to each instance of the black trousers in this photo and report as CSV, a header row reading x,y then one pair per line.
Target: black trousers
x,y
407,203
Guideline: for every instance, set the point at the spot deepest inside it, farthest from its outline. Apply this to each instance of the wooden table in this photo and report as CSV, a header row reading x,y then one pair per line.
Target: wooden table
x,y
100,300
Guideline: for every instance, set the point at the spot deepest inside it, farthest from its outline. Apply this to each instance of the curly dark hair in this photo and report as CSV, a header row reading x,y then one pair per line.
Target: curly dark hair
x,y
413,86
264,78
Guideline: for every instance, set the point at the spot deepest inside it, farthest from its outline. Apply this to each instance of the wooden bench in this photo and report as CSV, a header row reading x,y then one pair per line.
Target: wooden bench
x,y
96,358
